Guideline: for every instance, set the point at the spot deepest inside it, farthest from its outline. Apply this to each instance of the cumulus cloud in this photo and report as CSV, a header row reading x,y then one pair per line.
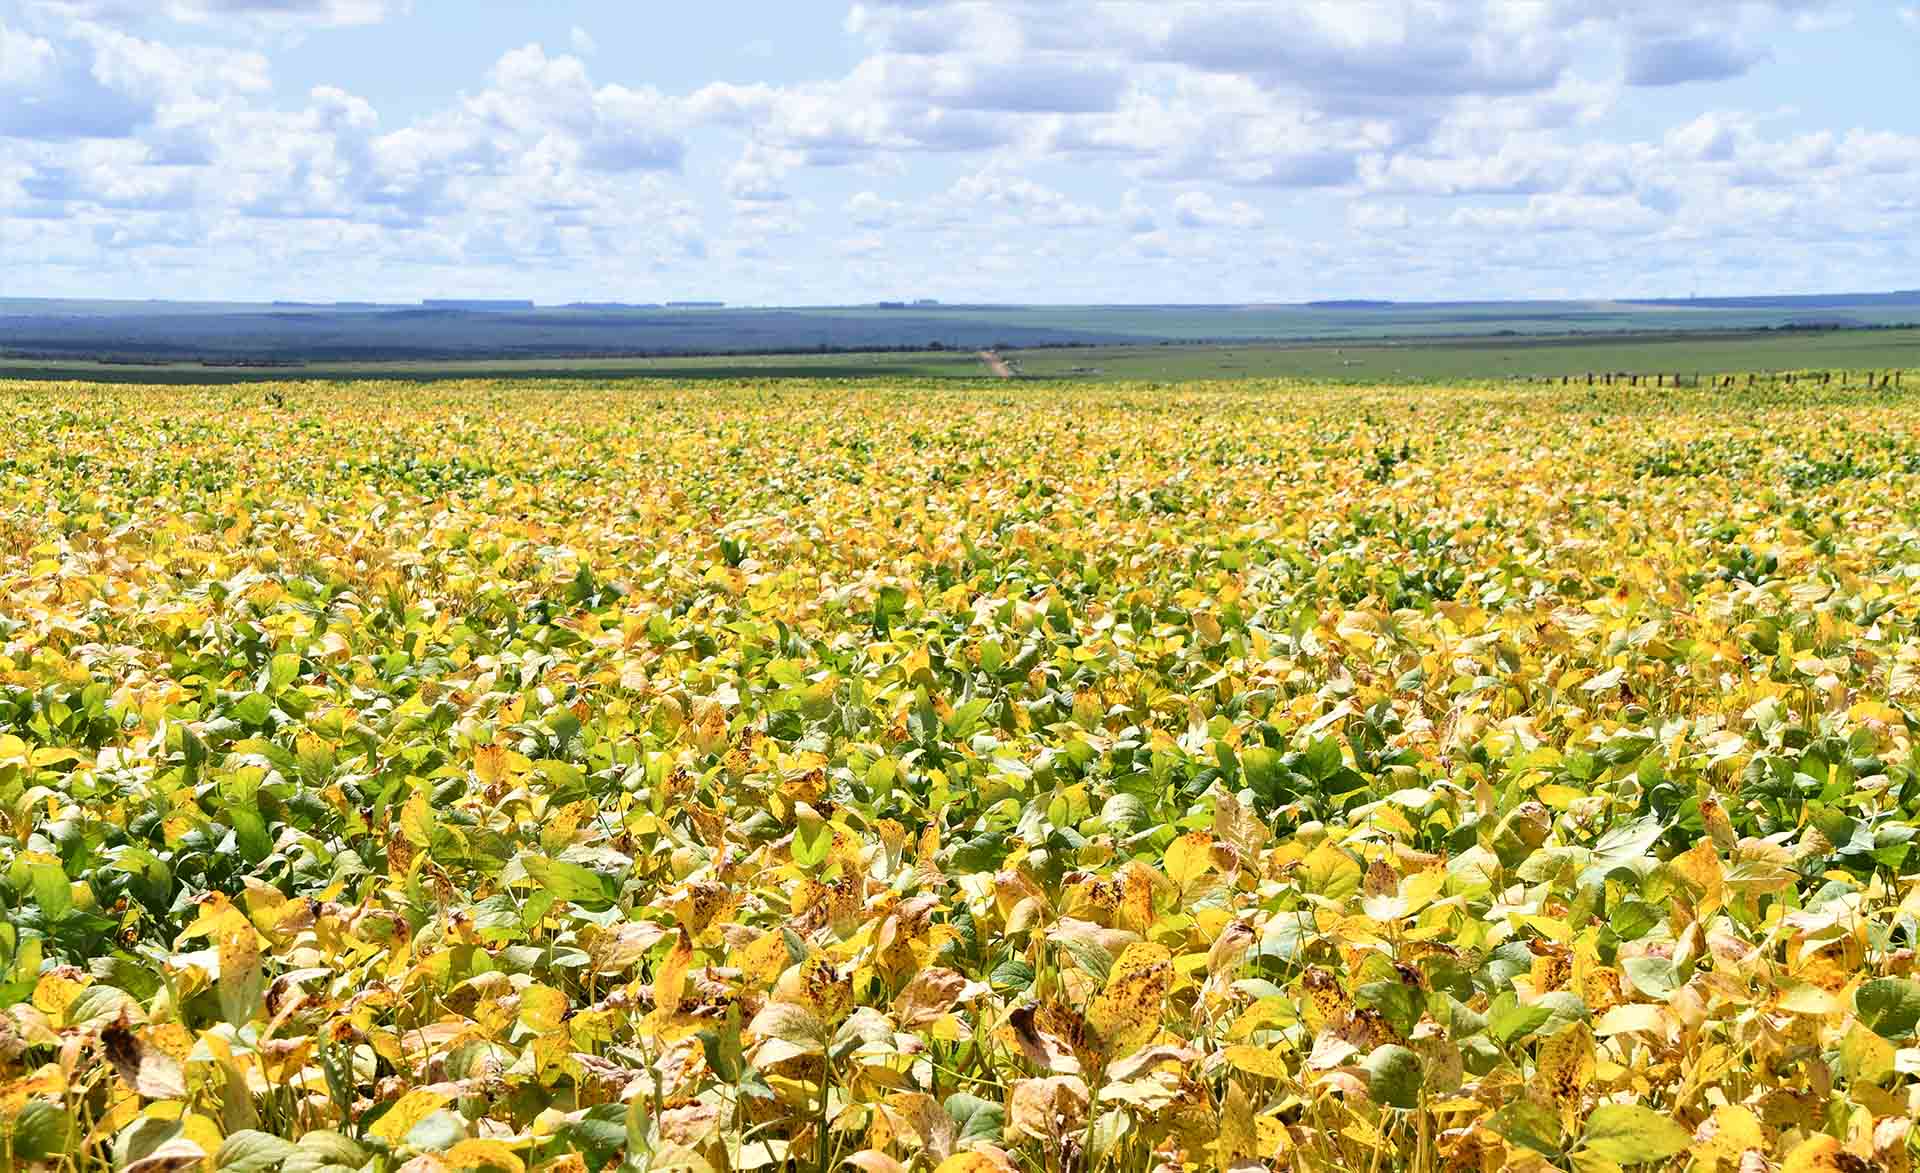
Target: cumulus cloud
x,y
868,210
1563,213
273,13
100,82
1077,142
1373,218
1023,200
1197,209
758,174
26,61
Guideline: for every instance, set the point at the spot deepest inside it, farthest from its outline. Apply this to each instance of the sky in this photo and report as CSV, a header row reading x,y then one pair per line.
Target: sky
x,y
806,152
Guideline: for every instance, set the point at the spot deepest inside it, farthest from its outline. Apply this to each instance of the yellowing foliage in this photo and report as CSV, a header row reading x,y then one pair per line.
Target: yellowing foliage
x,y
553,777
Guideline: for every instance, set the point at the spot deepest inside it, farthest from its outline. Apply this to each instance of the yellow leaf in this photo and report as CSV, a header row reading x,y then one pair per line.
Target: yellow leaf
x,y
1699,868
241,980
1422,888
1265,1062
976,1161
406,1114
1731,1132
762,962
416,819
1188,858
1127,1012
1557,796
1238,1141
1821,1154
542,1008
1330,873
670,983
1047,1109
490,763
483,1154
56,990
1633,1017
1564,1069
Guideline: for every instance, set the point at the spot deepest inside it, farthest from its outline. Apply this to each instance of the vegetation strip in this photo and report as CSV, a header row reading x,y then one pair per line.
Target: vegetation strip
x,y
908,775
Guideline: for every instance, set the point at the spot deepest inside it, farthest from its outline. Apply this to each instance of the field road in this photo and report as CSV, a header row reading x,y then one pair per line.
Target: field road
x,y
996,364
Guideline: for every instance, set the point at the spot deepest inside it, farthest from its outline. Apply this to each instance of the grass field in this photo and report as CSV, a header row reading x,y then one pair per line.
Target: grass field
x,y
64,331
1405,361
912,365
936,775
1478,358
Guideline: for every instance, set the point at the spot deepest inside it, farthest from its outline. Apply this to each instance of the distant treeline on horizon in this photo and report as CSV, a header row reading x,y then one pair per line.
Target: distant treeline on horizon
x,y
459,329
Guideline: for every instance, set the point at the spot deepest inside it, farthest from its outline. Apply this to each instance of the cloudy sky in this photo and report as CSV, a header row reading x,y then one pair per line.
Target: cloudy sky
x,y
806,152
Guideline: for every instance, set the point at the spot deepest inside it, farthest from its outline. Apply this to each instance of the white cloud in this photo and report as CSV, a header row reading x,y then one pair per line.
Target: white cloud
x,y
1398,136
26,61
1023,201
1372,218
1563,213
868,210
268,13
1197,209
759,173
583,42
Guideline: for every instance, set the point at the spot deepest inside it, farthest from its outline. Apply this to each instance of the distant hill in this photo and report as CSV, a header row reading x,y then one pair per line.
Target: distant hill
x,y
467,329
1805,301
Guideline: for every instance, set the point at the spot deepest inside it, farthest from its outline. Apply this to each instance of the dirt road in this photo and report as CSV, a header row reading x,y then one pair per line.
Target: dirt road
x,y
996,364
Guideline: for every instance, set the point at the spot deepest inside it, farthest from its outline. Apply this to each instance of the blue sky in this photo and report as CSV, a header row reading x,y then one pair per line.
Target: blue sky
x,y
1020,150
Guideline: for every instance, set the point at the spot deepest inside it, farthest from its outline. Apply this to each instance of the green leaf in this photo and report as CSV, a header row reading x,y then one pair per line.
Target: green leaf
x,y
975,1118
250,832
1394,1077
249,1151
1625,844
1011,976
1890,1007
283,670
570,881
251,709
439,1132
1655,977
1632,919
812,837
323,1150
141,1139
1564,1008
1400,1004
51,890
1089,956
1529,1124
1517,1022
41,1132
1629,1134
97,1005
597,1136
